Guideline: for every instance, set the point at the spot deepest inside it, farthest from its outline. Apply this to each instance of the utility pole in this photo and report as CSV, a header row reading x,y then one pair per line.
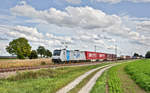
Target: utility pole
x,y
116,51
65,44
95,48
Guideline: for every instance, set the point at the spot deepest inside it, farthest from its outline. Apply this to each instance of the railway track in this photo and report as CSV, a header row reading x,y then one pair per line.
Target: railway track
x,y
2,70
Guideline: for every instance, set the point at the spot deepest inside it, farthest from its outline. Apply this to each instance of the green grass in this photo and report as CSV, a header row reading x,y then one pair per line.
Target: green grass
x,y
118,81
100,86
43,81
140,73
114,80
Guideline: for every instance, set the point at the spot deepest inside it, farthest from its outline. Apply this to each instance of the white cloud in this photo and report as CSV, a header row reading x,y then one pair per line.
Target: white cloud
x,y
28,31
81,27
112,40
34,36
137,1
143,27
111,47
135,35
83,17
2,48
107,1
22,2
21,31
99,42
74,1
117,1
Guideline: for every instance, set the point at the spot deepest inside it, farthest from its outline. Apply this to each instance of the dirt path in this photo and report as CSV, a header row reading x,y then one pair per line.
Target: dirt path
x,y
77,81
87,88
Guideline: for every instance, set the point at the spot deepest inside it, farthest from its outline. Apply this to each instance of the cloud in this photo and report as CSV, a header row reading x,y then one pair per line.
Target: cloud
x,y
2,49
74,1
83,17
134,34
138,1
34,36
80,27
86,18
108,1
67,39
118,1
3,39
21,31
138,30
143,27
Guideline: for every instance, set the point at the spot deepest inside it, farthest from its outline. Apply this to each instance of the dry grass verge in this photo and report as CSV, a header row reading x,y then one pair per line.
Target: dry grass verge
x,y
10,63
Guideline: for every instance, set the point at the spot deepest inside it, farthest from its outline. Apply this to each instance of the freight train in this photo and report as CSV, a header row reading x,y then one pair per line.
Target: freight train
x,y
66,56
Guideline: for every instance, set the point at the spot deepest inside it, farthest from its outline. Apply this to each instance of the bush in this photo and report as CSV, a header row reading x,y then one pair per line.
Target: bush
x,y
20,56
33,55
43,63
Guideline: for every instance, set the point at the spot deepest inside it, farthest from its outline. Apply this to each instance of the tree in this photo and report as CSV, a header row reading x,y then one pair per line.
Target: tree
x,y
19,47
33,55
48,53
141,56
41,51
136,55
147,54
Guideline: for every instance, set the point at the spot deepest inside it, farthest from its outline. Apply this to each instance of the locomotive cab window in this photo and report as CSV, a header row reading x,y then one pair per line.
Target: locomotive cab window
x,y
57,52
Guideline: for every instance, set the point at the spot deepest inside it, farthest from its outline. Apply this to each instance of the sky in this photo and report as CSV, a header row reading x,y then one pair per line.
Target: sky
x,y
77,24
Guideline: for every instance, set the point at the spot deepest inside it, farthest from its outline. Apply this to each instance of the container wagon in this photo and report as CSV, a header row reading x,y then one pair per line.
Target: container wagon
x,y
66,56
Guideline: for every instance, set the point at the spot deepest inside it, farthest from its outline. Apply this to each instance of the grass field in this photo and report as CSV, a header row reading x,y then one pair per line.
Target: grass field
x,y
114,81
140,73
117,80
100,86
43,81
8,63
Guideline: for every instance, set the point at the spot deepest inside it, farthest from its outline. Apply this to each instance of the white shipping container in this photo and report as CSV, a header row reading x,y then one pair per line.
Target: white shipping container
x,y
77,55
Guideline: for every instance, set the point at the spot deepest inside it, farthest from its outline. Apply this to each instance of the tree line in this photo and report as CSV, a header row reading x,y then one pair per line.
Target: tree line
x,y
147,55
22,49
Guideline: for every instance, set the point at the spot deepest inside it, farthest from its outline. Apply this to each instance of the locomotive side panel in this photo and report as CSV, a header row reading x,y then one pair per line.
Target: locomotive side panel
x,y
75,56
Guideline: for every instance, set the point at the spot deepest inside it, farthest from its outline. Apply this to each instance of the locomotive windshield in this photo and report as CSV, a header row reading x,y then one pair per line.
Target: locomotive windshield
x,y
57,52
